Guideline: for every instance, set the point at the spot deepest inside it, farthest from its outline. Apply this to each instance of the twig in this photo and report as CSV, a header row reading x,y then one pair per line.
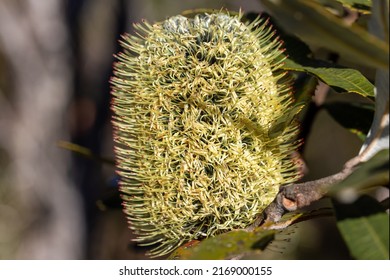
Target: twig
x,y
295,196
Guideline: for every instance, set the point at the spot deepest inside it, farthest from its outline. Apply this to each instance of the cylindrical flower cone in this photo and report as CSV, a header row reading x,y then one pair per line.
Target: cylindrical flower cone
x,y
204,129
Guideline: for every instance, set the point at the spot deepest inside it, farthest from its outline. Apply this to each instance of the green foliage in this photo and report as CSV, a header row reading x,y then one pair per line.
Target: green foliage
x,y
356,117
238,243
311,22
84,152
340,78
362,6
364,226
228,245
340,6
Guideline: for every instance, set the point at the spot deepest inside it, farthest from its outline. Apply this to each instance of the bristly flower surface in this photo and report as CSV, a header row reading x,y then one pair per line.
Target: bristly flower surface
x,y
203,125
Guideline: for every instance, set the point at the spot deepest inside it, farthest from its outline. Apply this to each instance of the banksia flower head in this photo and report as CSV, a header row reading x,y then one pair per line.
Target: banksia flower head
x,y
203,127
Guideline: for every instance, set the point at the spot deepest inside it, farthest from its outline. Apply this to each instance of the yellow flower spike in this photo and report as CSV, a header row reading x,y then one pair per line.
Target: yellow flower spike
x,y
200,109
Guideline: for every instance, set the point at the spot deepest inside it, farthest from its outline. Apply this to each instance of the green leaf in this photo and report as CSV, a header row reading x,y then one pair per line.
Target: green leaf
x,y
235,244
85,152
226,246
298,53
304,89
349,80
312,22
361,6
191,13
372,173
356,117
364,227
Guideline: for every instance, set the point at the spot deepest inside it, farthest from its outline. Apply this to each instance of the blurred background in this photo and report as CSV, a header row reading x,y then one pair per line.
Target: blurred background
x,y
55,64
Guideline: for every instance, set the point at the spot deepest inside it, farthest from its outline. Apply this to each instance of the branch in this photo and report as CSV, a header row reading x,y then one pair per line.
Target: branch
x,y
295,196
